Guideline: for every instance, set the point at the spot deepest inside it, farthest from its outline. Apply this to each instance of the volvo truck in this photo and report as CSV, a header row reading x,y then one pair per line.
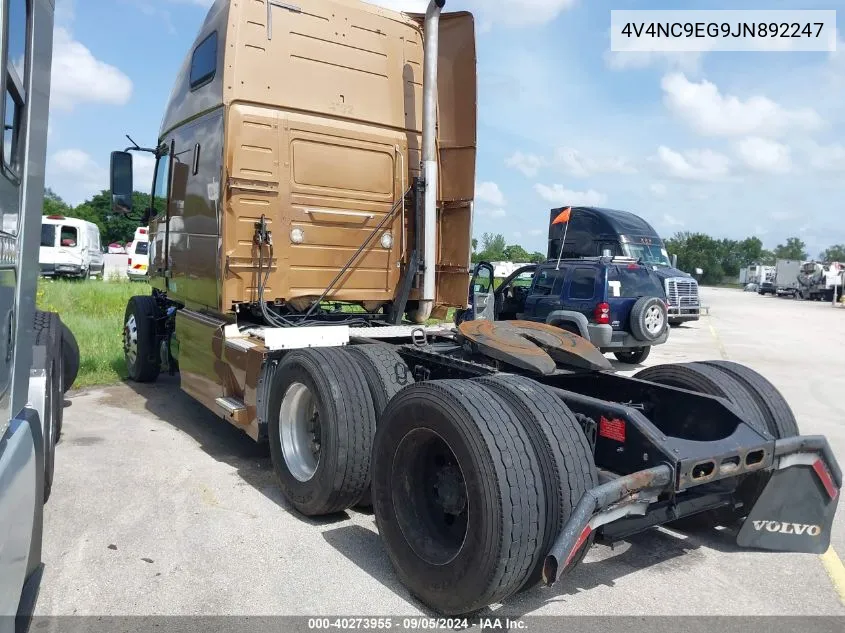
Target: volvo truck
x,y
312,218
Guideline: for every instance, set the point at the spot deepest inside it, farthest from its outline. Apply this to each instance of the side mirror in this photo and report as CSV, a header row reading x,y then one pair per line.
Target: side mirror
x,y
674,261
121,182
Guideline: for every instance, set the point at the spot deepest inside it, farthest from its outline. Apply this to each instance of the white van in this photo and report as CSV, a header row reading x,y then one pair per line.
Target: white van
x,y
139,254
70,247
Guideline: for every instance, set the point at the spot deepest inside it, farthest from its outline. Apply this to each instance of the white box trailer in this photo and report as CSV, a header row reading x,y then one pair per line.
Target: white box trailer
x,y
786,276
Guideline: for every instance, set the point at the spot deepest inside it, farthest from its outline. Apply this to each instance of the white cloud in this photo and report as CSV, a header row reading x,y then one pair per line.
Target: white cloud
x,y
65,12
671,220
527,164
78,77
75,175
535,232
490,193
764,155
517,13
558,194
636,60
143,166
658,189
702,106
826,157
700,165
779,216
577,164
200,3
495,212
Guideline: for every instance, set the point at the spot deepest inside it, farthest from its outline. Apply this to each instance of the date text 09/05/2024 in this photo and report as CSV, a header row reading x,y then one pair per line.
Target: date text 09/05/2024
x,y
723,29
416,623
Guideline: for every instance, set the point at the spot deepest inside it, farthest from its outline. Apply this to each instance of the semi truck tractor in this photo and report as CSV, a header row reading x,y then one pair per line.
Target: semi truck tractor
x,y
38,354
594,232
311,216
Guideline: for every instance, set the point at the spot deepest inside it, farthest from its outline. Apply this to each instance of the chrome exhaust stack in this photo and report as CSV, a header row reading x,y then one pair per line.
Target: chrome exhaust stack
x,y
429,157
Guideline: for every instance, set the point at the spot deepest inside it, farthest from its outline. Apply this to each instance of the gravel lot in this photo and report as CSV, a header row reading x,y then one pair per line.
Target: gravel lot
x,y
160,508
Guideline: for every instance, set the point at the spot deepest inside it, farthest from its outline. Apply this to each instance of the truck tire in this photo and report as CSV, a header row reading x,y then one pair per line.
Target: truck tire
x,y
436,441
712,381
563,454
140,347
708,380
48,332
321,427
649,319
386,375
633,356
780,420
70,352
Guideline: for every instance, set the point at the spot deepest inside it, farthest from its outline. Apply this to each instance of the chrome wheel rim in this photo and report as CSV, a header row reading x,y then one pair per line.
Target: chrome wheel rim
x,y
654,320
130,340
300,432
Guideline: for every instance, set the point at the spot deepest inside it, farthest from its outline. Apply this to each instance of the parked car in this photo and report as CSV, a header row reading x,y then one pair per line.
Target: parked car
x,y
70,247
139,255
116,249
615,303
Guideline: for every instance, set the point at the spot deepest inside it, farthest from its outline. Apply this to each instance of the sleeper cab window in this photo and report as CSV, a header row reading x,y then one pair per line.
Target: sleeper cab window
x,y
14,74
204,62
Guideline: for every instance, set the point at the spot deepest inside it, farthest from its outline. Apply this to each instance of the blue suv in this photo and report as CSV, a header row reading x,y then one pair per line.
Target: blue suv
x,y
615,303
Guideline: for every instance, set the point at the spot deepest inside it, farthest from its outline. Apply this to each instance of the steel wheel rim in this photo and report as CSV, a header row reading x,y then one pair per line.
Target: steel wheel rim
x,y
130,341
300,432
432,506
654,320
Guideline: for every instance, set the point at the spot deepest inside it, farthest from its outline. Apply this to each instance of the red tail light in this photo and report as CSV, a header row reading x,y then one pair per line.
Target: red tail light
x,y
602,314
130,261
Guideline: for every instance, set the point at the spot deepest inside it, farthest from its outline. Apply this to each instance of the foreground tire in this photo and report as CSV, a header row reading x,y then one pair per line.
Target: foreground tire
x,y
563,455
321,428
649,319
780,420
386,374
70,352
441,447
709,380
140,346
47,328
633,356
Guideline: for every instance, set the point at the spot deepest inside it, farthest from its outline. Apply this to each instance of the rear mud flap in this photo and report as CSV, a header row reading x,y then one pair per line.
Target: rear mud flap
x,y
793,514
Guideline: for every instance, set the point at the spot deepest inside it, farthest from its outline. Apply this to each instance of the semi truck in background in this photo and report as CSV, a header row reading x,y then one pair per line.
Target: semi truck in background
x,y
38,355
818,281
594,232
315,170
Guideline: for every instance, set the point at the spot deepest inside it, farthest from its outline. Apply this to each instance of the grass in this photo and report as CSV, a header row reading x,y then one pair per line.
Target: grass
x,y
93,310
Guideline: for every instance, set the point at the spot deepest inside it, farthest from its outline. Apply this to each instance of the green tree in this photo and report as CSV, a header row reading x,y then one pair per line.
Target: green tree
x,y
697,250
492,248
474,245
793,249
835,253
54,205
113,227
515,253
537,257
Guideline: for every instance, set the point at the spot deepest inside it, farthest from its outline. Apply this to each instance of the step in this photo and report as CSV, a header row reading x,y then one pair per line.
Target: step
x,y
234,409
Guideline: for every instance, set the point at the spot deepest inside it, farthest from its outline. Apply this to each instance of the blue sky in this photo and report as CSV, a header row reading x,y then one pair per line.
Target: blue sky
x,y
732,144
